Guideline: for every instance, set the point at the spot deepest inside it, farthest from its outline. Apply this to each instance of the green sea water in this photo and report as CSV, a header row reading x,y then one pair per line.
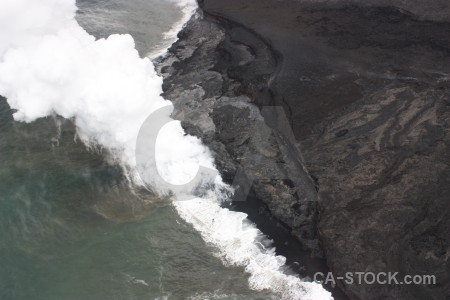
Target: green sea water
x,y
68,230
71,228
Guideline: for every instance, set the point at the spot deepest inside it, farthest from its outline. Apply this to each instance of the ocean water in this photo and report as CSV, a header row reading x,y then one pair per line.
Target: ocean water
x,y
147,21
67,229
74,222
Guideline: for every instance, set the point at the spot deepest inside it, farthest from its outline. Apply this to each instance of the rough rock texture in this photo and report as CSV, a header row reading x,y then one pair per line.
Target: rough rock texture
x,y
210,75
367,91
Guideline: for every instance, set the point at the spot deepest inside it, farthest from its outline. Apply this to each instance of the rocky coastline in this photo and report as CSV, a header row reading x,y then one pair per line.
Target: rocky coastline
x,y
363,178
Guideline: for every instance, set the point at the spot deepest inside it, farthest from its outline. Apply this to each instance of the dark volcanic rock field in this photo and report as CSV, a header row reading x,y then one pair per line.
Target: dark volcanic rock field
x,y
365,87
209,74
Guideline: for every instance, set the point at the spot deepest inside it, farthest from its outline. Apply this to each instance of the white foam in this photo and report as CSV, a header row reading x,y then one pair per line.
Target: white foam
x,y
237,242
188,8
49,64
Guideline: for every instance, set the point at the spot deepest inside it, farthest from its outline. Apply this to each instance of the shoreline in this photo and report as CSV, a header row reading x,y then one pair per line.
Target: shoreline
x,y
299,259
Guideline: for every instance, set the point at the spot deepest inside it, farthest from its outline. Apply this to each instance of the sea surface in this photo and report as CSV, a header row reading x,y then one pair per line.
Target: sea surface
x,y
71,228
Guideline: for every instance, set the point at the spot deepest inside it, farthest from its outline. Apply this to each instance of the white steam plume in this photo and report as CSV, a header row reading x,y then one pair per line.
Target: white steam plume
x,y
49,64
